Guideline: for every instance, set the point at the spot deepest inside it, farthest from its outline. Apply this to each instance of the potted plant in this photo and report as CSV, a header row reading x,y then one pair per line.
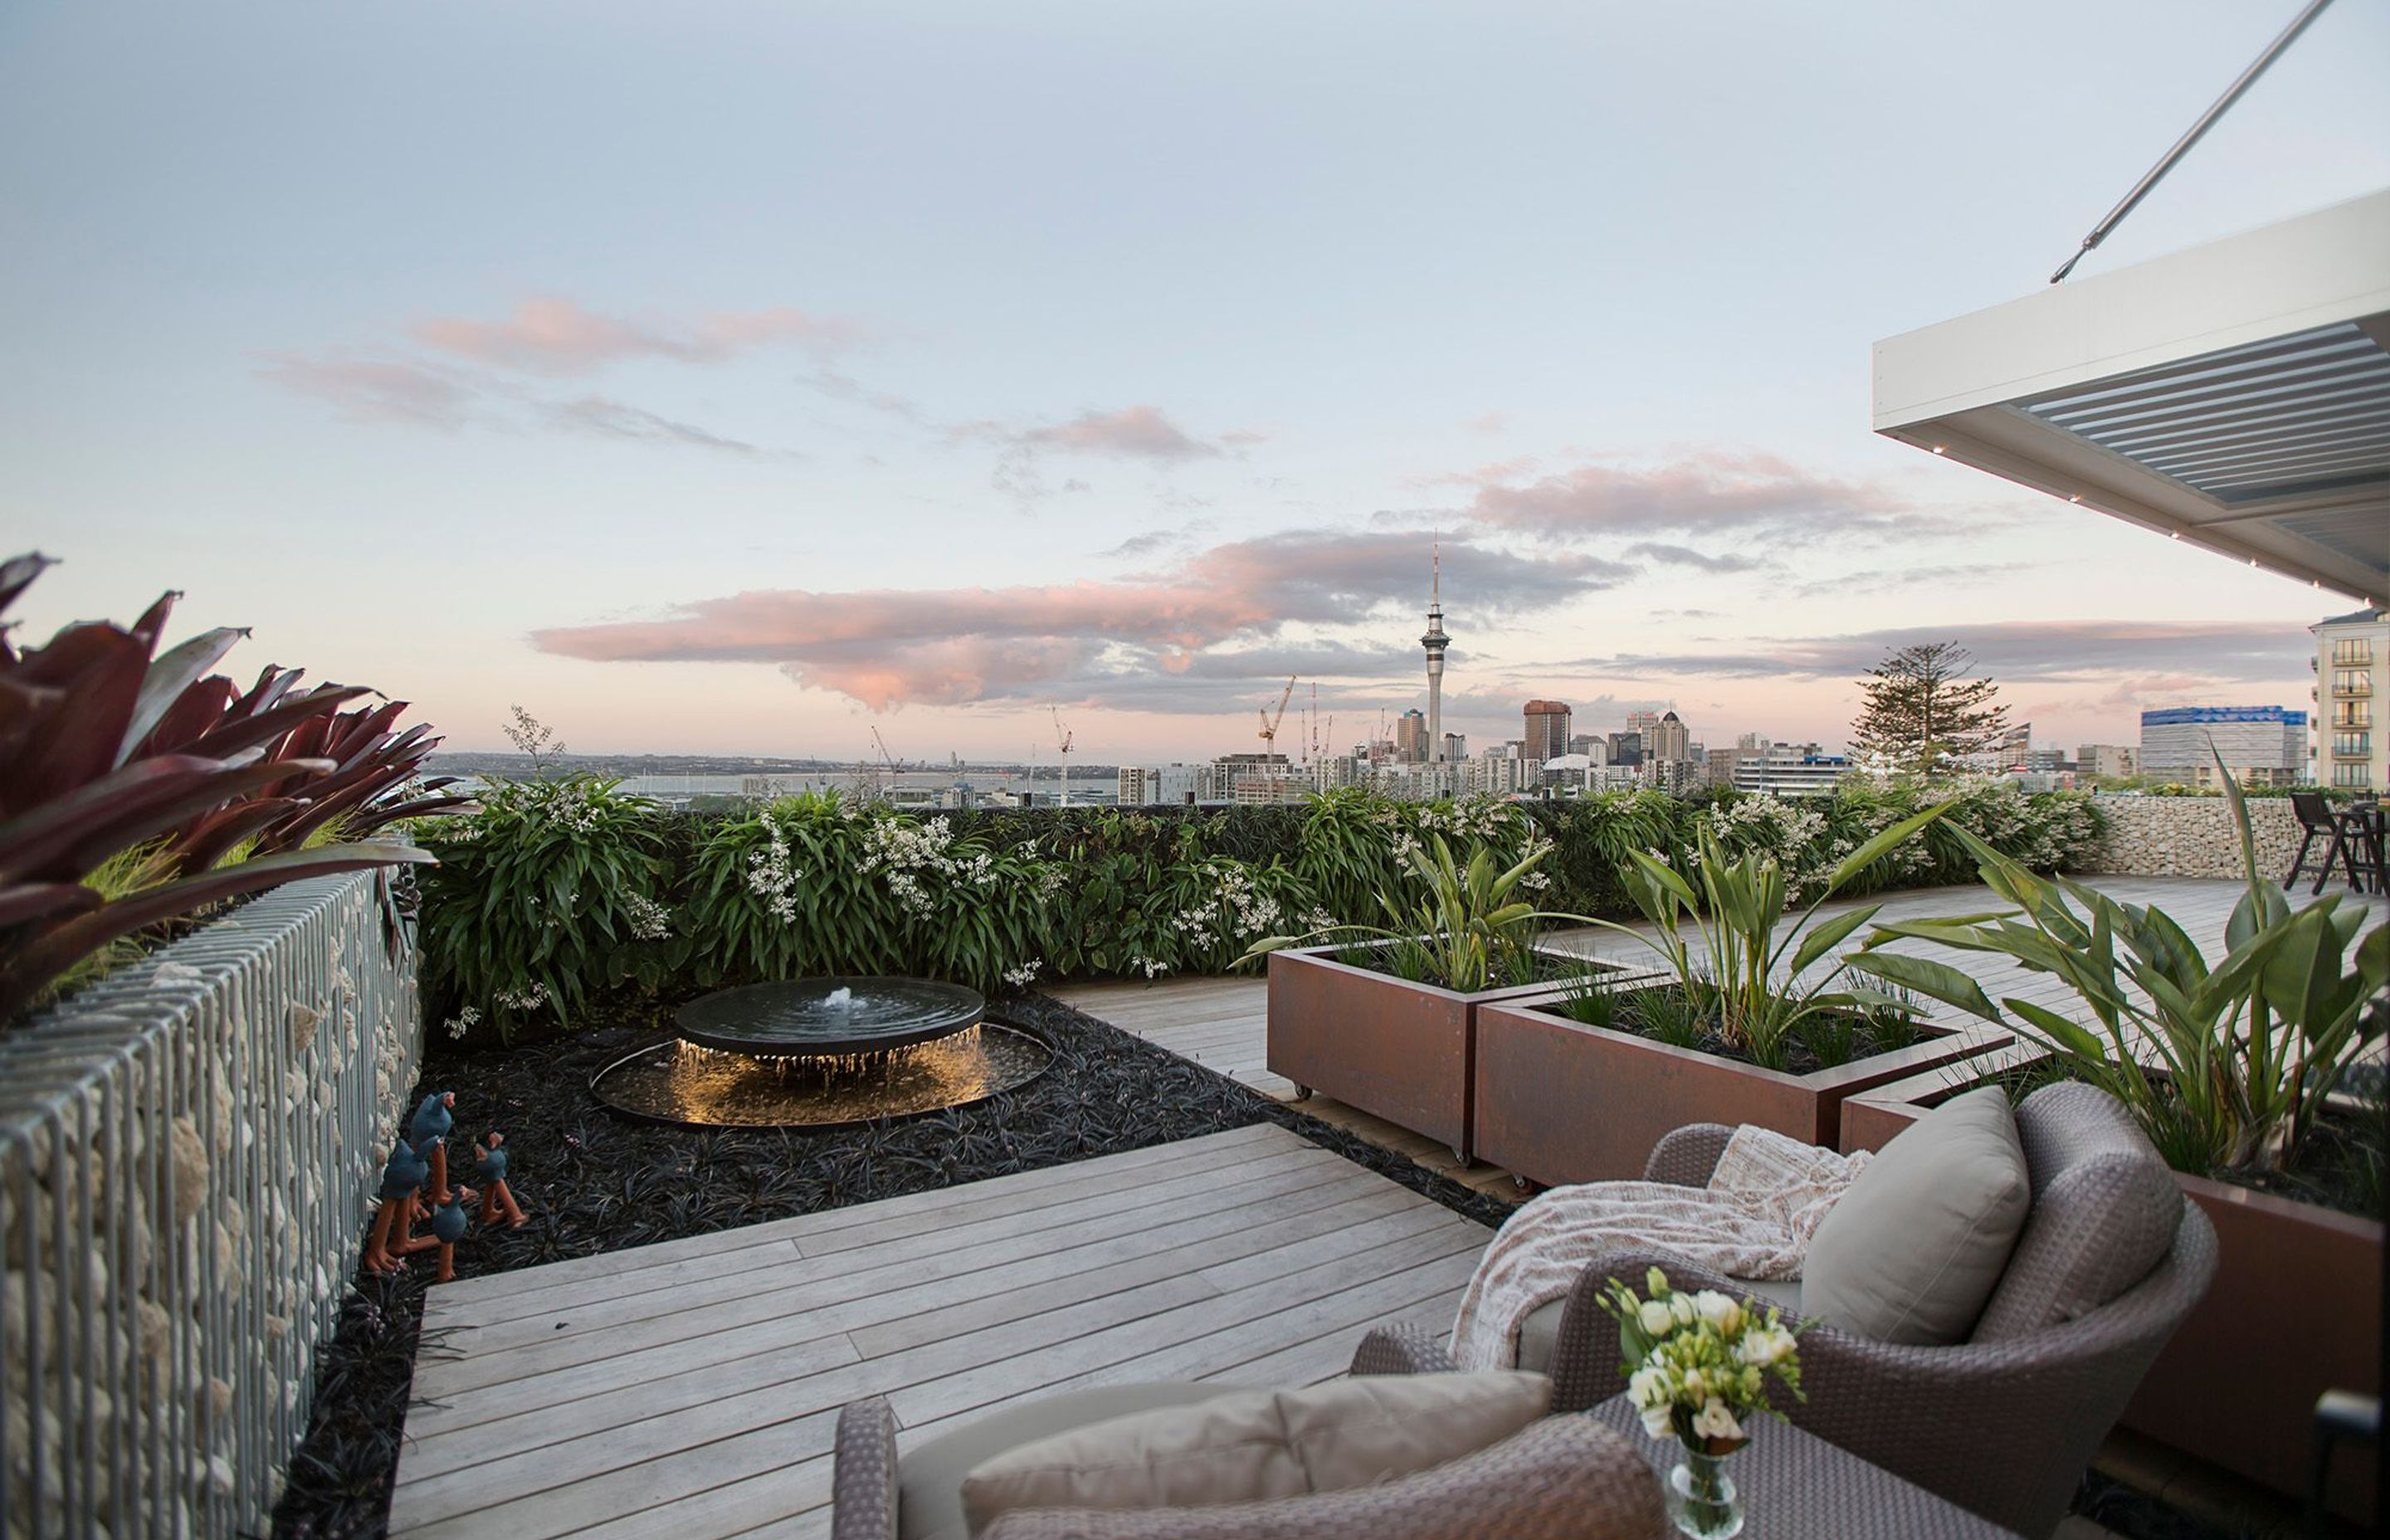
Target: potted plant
x,y
2240,1072
1576,1083
1384,1018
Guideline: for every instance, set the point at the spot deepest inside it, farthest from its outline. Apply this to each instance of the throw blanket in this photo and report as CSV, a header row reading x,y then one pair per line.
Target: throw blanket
x,y
1754,1220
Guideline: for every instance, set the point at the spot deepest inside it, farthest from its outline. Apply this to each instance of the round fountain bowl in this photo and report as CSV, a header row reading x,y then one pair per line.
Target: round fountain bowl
x,y
801,1055
806,1016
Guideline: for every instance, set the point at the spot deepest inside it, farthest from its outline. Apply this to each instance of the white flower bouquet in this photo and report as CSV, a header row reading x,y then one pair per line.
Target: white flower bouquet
x,y
1698,1364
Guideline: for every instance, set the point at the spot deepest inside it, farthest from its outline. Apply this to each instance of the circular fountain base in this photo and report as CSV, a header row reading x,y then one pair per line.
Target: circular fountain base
x,y
689,1083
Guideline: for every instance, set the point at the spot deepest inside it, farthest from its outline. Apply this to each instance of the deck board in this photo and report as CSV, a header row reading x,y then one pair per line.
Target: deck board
x,y
694,1386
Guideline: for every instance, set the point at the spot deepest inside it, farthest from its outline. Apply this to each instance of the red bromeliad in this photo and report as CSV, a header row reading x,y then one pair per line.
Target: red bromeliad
x,y
108,747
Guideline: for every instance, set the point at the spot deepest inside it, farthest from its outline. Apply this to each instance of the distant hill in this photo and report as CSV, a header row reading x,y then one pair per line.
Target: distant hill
x,y
627,766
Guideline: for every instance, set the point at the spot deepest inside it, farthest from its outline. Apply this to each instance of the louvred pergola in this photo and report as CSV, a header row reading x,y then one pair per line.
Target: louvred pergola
x,y
2236,395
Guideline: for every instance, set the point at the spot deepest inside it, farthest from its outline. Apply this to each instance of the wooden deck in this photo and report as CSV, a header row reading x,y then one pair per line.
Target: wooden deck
x,y
1223,1024
690,1388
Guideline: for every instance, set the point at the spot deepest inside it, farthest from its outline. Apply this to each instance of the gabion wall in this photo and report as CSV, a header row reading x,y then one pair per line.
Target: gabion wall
x,y
2193,837
188,1150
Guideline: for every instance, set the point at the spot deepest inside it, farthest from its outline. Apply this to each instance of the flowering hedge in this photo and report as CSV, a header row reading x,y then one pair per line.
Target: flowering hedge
x,y
557,892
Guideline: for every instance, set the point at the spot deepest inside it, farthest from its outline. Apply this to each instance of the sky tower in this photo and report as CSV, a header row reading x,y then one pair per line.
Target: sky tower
x,y
1435,641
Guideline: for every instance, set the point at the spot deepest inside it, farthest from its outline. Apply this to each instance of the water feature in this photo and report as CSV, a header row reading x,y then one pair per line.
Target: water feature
x,y
822,1052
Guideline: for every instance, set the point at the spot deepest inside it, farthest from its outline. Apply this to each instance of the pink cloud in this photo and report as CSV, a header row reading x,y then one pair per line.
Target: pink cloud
x,y
1704,492
558,337
1176,640
1135,433
373,389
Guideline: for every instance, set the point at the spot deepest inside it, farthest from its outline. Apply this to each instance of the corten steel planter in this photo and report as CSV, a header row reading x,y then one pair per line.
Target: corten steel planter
x,y
1402,1051
1559,1102
2295,1311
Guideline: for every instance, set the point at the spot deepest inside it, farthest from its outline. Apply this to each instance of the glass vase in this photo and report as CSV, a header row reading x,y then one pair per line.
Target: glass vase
x,y
1702,1497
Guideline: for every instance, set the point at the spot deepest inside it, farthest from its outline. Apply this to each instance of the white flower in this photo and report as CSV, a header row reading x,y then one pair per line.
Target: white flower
x,y
1654,1317
464,1021
649,919
1681,1306
1659,1421
1647,1387
1715,1422
771,876
1719,1311
1763,1345
529,999
1017,977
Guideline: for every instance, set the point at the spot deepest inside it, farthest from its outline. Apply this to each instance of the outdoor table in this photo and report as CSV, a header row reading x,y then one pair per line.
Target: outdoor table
x,y
1798,1487
2363,827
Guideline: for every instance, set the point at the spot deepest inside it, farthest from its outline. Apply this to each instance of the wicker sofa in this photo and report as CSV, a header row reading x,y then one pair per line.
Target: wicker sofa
x,y
2002,1424
1564,1478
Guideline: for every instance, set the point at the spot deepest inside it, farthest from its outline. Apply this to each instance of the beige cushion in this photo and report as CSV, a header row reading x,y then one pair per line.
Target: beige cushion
x,y
1253,1446
930,1477
1539,1334
1916,1246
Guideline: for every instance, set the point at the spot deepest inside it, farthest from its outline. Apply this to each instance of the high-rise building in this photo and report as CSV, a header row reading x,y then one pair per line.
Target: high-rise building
x,y
1669,740
1410,738
1676,776
1721,763
1547,730
1455,750
1753,743
2352,673
2261,745
1502,770
1627,749
2107,758
1790,770
1250,778
2012,748
1147,785
1435,641
1642,722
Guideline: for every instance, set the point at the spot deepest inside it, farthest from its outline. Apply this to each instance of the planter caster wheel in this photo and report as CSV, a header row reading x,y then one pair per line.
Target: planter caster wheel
x,y
1460,1158
1521,1183
1303,1093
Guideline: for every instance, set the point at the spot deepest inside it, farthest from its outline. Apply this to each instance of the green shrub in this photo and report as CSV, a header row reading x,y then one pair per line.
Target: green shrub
x,y
557,892
549,893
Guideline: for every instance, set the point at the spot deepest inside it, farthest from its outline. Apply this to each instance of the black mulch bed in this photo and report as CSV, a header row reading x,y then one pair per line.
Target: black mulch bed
x,y
593,1182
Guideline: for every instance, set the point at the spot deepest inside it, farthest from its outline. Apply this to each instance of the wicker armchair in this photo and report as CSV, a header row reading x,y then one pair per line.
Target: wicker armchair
x,y
1564,1478
2002,1424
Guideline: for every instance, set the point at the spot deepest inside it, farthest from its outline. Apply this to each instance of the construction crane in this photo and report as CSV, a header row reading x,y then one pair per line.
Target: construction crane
x,y
887,792
1062,737
1270,721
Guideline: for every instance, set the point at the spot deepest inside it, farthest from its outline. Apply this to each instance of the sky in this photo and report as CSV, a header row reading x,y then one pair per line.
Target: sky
x,y
736,377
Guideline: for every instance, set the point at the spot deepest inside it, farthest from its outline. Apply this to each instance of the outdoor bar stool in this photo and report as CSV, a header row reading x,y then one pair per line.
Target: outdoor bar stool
x,y
2343,841
2368,827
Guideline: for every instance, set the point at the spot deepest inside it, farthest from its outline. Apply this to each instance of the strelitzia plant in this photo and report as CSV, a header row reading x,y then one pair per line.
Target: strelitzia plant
x,y
2225,1065
1720,930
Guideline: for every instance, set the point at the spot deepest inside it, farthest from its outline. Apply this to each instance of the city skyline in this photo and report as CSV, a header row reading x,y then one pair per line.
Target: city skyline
x,y
1124,364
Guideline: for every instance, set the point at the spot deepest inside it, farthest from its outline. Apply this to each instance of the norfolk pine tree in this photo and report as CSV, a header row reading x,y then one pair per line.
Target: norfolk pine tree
x,y
1922,706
